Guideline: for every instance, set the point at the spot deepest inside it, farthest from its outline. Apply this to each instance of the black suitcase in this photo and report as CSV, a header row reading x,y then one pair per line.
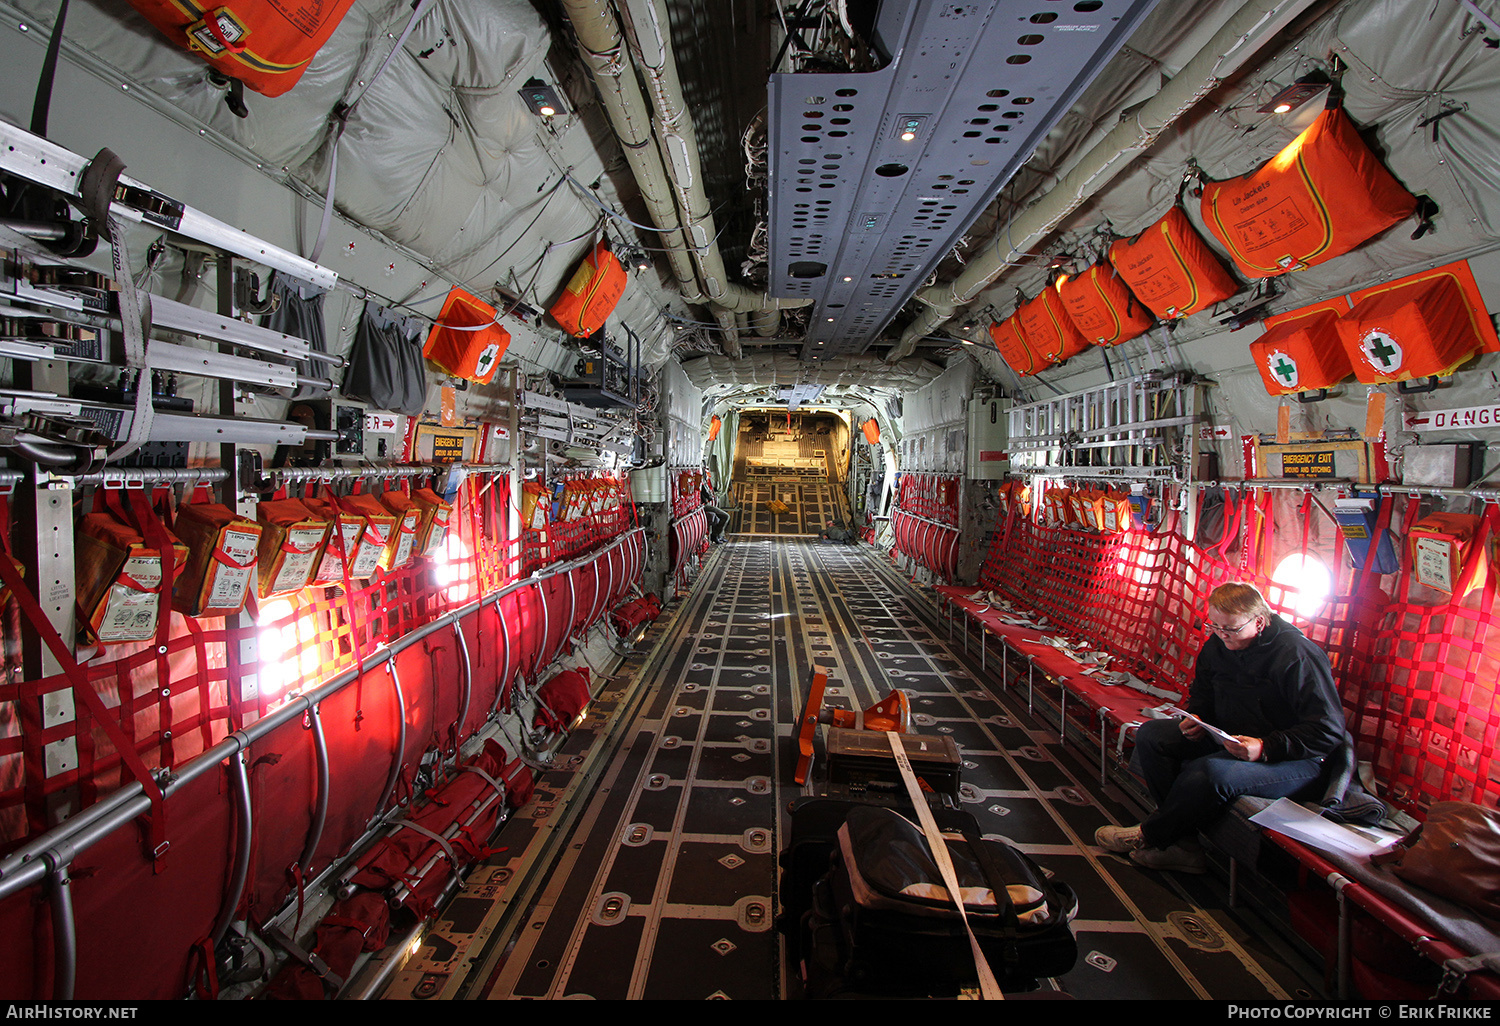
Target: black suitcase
x,y
874,924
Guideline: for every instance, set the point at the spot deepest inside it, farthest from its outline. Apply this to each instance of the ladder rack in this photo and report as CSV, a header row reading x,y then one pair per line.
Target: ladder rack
x,y
1135,428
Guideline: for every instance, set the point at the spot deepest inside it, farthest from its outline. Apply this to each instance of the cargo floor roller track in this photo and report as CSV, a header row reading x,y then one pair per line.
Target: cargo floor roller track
x,y
665,885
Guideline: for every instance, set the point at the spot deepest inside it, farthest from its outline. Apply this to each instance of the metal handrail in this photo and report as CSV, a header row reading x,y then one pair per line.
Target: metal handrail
x,y
33,862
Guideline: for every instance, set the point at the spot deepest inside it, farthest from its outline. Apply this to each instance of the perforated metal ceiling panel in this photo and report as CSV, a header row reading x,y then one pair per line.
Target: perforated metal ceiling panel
x,y
861,214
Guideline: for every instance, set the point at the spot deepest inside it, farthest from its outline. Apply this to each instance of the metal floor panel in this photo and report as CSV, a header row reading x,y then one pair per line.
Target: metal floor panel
x,y
666,885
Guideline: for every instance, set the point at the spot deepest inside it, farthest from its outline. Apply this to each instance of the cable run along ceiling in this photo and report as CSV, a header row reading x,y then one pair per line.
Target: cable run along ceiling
x,y
875,176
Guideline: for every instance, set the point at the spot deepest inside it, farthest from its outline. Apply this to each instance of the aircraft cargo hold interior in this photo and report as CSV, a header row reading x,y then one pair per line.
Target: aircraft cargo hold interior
x,y
766,500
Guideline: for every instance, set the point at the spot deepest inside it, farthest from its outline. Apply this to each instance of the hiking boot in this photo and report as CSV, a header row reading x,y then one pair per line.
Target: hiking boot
x,y
1123,840
1177,858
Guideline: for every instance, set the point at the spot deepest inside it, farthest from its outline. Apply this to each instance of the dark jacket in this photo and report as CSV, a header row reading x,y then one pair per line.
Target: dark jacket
x,y
1280,690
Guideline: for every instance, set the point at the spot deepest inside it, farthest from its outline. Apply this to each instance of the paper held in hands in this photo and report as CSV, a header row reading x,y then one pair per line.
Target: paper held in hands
x,y
1213,731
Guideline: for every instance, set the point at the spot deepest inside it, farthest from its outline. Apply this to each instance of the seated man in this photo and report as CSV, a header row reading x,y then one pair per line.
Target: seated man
x,y
1258,679
717,518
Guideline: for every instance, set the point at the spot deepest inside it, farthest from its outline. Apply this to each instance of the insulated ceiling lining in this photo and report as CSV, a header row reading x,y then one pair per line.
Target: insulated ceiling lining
x,y
861,216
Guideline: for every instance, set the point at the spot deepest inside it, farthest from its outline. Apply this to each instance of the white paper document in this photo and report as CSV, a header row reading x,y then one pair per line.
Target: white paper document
x,y
1287,817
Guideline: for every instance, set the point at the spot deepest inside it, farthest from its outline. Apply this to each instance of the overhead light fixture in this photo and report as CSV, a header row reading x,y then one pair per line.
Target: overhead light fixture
x,y
542,98
909,126
1295,95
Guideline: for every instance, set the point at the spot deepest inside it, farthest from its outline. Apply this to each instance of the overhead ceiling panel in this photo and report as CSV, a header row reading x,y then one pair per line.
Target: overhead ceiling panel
x,y
862,214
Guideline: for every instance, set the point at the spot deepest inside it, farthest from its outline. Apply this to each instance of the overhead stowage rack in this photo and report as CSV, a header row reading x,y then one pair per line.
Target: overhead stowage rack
x,y
46,163
1133,428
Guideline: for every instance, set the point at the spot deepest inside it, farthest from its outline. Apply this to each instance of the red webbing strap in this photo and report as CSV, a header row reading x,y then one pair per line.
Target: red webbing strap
x,y
203,970
85,693
344,557
155,533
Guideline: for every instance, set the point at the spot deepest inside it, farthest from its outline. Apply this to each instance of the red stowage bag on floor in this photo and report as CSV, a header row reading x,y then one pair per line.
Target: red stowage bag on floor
x,y
561,699
630,615
356,924
400,855
1322,196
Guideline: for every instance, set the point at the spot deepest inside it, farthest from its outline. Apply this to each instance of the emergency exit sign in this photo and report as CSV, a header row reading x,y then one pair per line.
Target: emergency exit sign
x,y
1318,463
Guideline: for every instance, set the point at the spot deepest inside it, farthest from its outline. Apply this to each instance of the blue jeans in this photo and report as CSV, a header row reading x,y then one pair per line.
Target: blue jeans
x,y
1192,781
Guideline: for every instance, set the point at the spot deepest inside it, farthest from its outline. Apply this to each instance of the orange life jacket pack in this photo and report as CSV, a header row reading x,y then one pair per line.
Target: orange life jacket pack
x,y
1171,269
872,431
1302,352
1322,196
1012,347
267,46
1101,307
292,538
1411,329
119,579
590,295
1441,545
465,341
432,528
1049,332
222,551
1058,506
1017,493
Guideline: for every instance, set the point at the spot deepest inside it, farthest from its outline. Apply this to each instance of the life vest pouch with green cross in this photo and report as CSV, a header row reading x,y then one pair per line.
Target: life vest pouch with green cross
x,y
1301,354
1419,330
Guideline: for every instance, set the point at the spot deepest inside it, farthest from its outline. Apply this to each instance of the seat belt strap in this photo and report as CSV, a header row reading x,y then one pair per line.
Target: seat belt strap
x,y
988,988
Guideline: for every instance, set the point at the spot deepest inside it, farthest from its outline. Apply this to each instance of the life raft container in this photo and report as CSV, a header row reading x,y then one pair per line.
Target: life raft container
x,y
1102,307
1171,269
1323,195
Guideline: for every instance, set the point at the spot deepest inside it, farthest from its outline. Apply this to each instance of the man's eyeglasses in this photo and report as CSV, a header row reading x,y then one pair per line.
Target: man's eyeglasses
x,y
1219,628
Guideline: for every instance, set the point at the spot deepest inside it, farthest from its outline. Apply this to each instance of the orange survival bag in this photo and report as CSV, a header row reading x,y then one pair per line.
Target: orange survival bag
x,y
1102,308
590,295
1049,332
1171,269
265,45
1322,196
1012,347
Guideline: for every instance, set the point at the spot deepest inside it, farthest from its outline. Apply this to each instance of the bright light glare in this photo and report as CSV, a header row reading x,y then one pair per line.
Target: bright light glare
x,y
285,657
453,570
1303,582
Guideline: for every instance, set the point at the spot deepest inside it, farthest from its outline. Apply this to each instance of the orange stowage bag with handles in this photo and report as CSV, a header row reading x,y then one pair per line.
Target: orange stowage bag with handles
x,y
1322,196
590,294
1102,308
465,341
1048,330
1171,269
1301,354
1417,330
1012,347
266,44
1441,546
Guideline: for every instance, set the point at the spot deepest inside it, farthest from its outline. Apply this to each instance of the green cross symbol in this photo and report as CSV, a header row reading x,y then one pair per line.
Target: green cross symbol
x,y
1286,370
1380,350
